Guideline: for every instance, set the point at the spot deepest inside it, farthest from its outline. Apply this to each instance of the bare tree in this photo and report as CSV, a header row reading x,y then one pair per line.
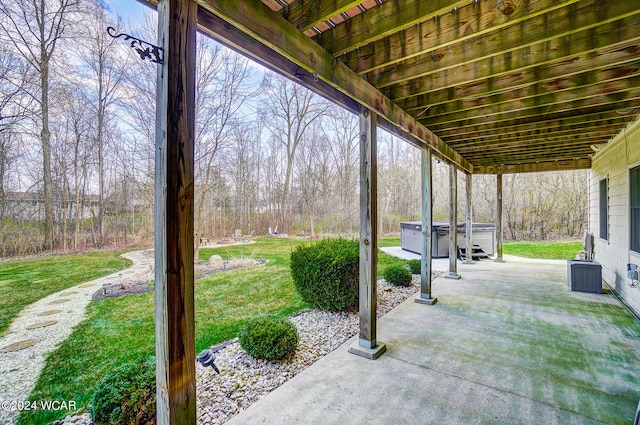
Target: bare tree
x,y
34,28
312,172
222,89
15,80
104,67
341,128
290,109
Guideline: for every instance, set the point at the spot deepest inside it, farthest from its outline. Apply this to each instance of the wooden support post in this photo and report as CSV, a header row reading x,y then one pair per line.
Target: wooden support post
x,y
499,218
453,223
173,237
367,346
469,221
424,297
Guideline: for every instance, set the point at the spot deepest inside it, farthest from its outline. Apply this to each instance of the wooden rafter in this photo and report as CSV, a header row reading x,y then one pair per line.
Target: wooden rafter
x,y
305,14
429,35
589,83
514,45
533,167
524,139
558,112
505,73
496,130
541,105
388,18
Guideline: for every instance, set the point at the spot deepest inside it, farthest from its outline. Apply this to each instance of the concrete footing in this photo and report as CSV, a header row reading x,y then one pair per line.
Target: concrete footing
x,y
452,276
368,353
430,301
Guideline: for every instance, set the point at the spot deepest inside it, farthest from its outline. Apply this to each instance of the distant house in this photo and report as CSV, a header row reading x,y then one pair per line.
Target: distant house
x,y
30,206
614,210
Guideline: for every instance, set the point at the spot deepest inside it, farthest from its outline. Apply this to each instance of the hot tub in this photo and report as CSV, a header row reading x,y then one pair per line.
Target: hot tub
x,y
484,235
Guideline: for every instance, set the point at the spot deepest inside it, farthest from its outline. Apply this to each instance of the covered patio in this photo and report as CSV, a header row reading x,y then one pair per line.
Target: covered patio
x,y
487,86
510,344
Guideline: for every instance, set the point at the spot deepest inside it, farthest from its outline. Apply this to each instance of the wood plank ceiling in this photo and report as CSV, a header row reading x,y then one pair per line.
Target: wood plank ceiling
x,y
510,85
494,86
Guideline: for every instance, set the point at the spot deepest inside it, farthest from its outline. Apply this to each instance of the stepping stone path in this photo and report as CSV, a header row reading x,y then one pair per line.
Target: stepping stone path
x,y
42,324
19,345
28,341
49,312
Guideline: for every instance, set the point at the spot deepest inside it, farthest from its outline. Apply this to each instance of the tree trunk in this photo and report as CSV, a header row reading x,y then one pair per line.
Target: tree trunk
x,y
45,139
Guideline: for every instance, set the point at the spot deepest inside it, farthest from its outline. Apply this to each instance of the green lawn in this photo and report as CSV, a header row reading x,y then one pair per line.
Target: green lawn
x,y
120,330
550,250
26,281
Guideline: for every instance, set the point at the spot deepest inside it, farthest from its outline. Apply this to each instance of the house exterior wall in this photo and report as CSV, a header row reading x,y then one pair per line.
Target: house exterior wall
x,y
613,163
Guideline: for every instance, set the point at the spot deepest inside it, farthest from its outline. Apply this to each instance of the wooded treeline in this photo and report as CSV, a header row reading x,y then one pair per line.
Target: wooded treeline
x,y
77,123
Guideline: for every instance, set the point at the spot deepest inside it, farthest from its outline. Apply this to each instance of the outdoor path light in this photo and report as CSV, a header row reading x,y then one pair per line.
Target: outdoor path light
x,y
207,358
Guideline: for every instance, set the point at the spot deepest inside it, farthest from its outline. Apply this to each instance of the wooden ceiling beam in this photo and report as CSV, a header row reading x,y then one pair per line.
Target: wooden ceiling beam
x,y
471,21
599,105
389,17
524,141
305,14
533,167
543,124
514,45
541,134
499,75
264,25
548,103
576,149
535,96
512,159
485,96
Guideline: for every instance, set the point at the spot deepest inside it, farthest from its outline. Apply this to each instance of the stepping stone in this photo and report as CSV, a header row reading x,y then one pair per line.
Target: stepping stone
x,y
60,301
49,312
19,345
87,285
66,294
42,324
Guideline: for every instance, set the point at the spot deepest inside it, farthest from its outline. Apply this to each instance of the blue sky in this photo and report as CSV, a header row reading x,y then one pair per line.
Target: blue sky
x,y
129,10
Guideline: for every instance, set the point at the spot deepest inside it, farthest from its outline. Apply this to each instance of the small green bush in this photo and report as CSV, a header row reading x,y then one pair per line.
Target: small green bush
x,y
268,338
414,266
127,395
325,274
397,275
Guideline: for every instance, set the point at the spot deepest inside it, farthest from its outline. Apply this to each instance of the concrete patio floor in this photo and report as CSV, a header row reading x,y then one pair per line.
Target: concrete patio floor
x,y
509,343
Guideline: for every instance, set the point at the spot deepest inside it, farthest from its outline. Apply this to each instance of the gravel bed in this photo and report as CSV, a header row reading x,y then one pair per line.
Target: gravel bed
x,y
243,380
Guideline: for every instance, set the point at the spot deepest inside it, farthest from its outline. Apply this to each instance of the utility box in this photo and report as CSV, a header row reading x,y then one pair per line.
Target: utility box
x,y
584,276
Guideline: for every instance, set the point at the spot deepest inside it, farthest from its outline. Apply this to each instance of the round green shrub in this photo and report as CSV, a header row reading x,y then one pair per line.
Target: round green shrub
x,y
268,338
325,274
127,395
397,275
414,266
